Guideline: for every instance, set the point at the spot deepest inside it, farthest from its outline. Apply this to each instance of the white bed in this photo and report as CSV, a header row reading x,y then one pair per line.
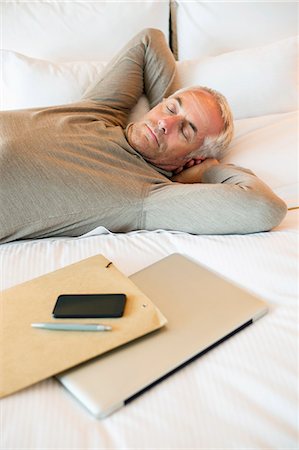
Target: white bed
x,y
244,393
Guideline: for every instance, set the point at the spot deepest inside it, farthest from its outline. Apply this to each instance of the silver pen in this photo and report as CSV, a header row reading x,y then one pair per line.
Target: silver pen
x,y
72,326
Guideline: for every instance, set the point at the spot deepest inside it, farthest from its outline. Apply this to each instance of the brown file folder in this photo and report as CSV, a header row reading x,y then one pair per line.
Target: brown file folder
x,y
29,355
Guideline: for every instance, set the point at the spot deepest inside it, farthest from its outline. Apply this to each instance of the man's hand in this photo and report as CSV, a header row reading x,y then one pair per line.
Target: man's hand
x,y
192,162
194,174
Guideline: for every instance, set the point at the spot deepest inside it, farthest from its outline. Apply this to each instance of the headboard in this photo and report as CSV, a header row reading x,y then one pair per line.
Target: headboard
x,y
203,28
77,30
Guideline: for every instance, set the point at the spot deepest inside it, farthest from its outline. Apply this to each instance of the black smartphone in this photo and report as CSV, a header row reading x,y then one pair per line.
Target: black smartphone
x,y
89,305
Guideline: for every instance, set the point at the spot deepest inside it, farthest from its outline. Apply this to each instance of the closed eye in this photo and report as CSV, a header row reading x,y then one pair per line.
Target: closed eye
x,y
192,126
184,133
187,128
171,109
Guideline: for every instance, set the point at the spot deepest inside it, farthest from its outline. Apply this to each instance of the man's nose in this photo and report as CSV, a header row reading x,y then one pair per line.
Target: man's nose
x,y
167,124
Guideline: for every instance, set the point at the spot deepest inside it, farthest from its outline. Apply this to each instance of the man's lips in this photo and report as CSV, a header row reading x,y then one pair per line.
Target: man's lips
x,y
152,133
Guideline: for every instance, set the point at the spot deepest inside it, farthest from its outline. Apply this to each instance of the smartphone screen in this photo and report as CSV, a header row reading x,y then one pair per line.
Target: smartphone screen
x,y
89,305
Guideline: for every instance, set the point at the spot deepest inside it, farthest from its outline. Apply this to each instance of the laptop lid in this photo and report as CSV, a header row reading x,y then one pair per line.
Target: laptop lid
x,y
203,309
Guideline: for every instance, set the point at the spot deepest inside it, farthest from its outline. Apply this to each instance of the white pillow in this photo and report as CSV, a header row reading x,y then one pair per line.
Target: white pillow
x,y
256,81
268,146
29,82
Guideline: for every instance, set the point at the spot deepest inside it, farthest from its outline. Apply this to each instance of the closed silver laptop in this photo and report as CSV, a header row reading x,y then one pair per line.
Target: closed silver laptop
x,y
202,308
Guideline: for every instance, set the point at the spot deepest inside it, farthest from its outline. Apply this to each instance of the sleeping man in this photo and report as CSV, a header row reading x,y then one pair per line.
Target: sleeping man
x,y
68,169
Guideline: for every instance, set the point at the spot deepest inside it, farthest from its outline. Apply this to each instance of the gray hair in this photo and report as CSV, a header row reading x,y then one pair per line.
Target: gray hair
x,y
214,146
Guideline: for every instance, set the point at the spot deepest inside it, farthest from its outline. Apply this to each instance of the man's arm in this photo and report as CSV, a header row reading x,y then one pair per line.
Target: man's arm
x,y
216,199
145,65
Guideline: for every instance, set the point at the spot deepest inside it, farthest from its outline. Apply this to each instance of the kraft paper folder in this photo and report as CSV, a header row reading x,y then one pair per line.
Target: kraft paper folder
x,y
29,355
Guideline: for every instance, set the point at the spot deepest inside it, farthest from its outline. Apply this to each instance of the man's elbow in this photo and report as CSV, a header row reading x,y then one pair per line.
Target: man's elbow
x,y
270,214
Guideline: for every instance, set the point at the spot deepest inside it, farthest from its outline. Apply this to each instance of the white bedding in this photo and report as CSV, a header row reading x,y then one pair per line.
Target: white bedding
x,y
242,394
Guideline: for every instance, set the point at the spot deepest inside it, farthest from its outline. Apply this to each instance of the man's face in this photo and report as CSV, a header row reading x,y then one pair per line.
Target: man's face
x,y
170,132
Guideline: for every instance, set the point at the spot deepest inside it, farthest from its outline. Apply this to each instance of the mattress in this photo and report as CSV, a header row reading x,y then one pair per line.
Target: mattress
x,y
242,394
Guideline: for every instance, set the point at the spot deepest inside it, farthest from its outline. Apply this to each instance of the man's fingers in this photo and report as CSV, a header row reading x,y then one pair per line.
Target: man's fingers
x,y
178,170
193,162
189,164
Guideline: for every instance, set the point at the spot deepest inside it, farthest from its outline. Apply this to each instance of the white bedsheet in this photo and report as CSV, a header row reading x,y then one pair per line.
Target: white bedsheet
x,y
243,394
